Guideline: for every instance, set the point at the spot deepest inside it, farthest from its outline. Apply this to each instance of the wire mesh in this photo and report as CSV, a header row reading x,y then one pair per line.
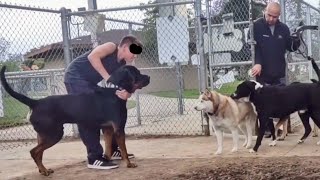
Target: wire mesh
x,y
32,47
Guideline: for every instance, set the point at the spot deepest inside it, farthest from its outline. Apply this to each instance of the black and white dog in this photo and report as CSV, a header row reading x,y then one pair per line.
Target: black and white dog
x,y
281,101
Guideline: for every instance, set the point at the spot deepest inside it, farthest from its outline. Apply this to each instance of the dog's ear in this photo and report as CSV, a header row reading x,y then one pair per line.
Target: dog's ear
x,y
314,81
250,84
254,85
208,93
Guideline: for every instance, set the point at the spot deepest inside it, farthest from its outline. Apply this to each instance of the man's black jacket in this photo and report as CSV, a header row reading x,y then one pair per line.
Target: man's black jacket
x,y
270,49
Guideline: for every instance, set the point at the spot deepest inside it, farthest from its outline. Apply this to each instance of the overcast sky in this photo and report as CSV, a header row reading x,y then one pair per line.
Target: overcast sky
x,y
74,4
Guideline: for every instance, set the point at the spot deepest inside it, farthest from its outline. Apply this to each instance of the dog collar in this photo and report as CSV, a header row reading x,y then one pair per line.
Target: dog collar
x,y
210,114
110,85
105,84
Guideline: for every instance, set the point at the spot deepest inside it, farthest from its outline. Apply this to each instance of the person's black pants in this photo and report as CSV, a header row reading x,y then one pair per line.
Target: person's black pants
x,y
90,136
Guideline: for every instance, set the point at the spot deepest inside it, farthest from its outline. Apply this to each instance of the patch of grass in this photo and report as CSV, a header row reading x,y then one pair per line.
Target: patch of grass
x,y
131,104
226,89
14,112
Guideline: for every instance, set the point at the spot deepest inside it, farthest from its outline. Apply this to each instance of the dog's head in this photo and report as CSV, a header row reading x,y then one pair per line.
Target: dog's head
x,y
245,89
129,78
206,102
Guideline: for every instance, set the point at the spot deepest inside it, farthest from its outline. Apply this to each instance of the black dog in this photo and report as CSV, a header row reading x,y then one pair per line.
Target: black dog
x,y
281,101
100,109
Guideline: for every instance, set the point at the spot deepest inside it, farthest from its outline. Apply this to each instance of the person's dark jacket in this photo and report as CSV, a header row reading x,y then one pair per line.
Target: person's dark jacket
x,y
270,49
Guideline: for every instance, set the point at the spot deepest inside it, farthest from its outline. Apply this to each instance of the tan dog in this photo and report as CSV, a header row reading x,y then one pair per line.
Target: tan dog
x,y
226,113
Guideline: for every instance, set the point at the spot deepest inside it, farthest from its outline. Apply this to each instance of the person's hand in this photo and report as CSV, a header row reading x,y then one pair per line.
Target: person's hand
x,y
256,70
123,94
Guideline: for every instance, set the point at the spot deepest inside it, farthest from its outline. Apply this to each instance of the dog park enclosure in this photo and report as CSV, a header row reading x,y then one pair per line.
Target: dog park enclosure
x,y
181,54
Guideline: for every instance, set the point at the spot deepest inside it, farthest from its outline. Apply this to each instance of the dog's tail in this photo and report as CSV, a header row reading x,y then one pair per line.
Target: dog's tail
x,y
20,97
316,69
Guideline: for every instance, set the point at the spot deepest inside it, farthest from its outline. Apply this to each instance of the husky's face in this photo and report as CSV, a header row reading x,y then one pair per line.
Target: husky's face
x,y
205,102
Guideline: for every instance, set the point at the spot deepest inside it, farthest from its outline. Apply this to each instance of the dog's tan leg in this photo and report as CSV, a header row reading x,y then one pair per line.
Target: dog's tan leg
x,y
284,123
249,129
235,138
107,136
44,142
120,138
219,136
315,130
245,133
285,130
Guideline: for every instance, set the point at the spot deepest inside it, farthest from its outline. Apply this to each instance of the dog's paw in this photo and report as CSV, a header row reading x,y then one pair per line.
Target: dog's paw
x,y
281,138
248,146
131,165
273,143
218,152
234,150
46,172
245,144
300,141
252,151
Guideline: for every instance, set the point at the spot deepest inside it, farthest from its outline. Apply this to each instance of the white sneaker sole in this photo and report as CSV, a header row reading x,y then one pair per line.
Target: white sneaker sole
x,y
119,158
102,167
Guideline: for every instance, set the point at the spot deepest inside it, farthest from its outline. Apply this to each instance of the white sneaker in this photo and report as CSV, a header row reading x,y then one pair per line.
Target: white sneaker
x,y
101,164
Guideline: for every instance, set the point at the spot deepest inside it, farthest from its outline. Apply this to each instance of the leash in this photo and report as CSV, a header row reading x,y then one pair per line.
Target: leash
x,y
298,35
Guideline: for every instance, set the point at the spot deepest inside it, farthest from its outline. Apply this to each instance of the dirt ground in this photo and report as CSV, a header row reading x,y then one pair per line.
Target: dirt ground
x,y
298,168
178,158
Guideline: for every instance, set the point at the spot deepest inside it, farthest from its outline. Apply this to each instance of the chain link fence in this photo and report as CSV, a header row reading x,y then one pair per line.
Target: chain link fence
x,y
226,43
54,37
181,54
299,68
30,41
169,43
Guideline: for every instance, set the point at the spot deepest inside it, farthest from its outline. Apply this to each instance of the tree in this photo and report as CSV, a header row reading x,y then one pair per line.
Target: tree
x,y
149,31
239,8
4,46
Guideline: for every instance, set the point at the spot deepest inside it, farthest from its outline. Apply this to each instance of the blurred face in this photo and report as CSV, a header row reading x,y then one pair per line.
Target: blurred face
x,y
272,15
128,56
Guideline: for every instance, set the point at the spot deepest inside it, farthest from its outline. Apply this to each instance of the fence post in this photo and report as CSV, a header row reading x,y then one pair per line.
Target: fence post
x,y
200,52
65,36
200,49
251,41
210,53
66,51
283,11
309,43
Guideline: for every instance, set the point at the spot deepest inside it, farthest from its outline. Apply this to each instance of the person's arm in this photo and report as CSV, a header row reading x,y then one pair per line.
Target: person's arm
x,y
256,69
257,47
97,54
292,44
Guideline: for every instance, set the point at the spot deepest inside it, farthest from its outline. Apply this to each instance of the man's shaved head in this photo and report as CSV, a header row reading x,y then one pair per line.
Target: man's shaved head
x,y
272,13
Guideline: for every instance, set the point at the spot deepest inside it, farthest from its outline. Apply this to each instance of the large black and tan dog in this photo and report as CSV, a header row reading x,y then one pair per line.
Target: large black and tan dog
x,y
99,109
281,101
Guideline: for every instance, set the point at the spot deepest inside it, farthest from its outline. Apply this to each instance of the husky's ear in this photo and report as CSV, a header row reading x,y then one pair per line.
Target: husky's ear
x,y
208,93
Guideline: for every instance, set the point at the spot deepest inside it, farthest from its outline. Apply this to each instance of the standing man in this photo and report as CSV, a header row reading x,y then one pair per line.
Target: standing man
x,y
272,41
82,76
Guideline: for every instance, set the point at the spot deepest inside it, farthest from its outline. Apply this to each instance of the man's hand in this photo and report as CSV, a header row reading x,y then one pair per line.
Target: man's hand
x,y
256,70
123,94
